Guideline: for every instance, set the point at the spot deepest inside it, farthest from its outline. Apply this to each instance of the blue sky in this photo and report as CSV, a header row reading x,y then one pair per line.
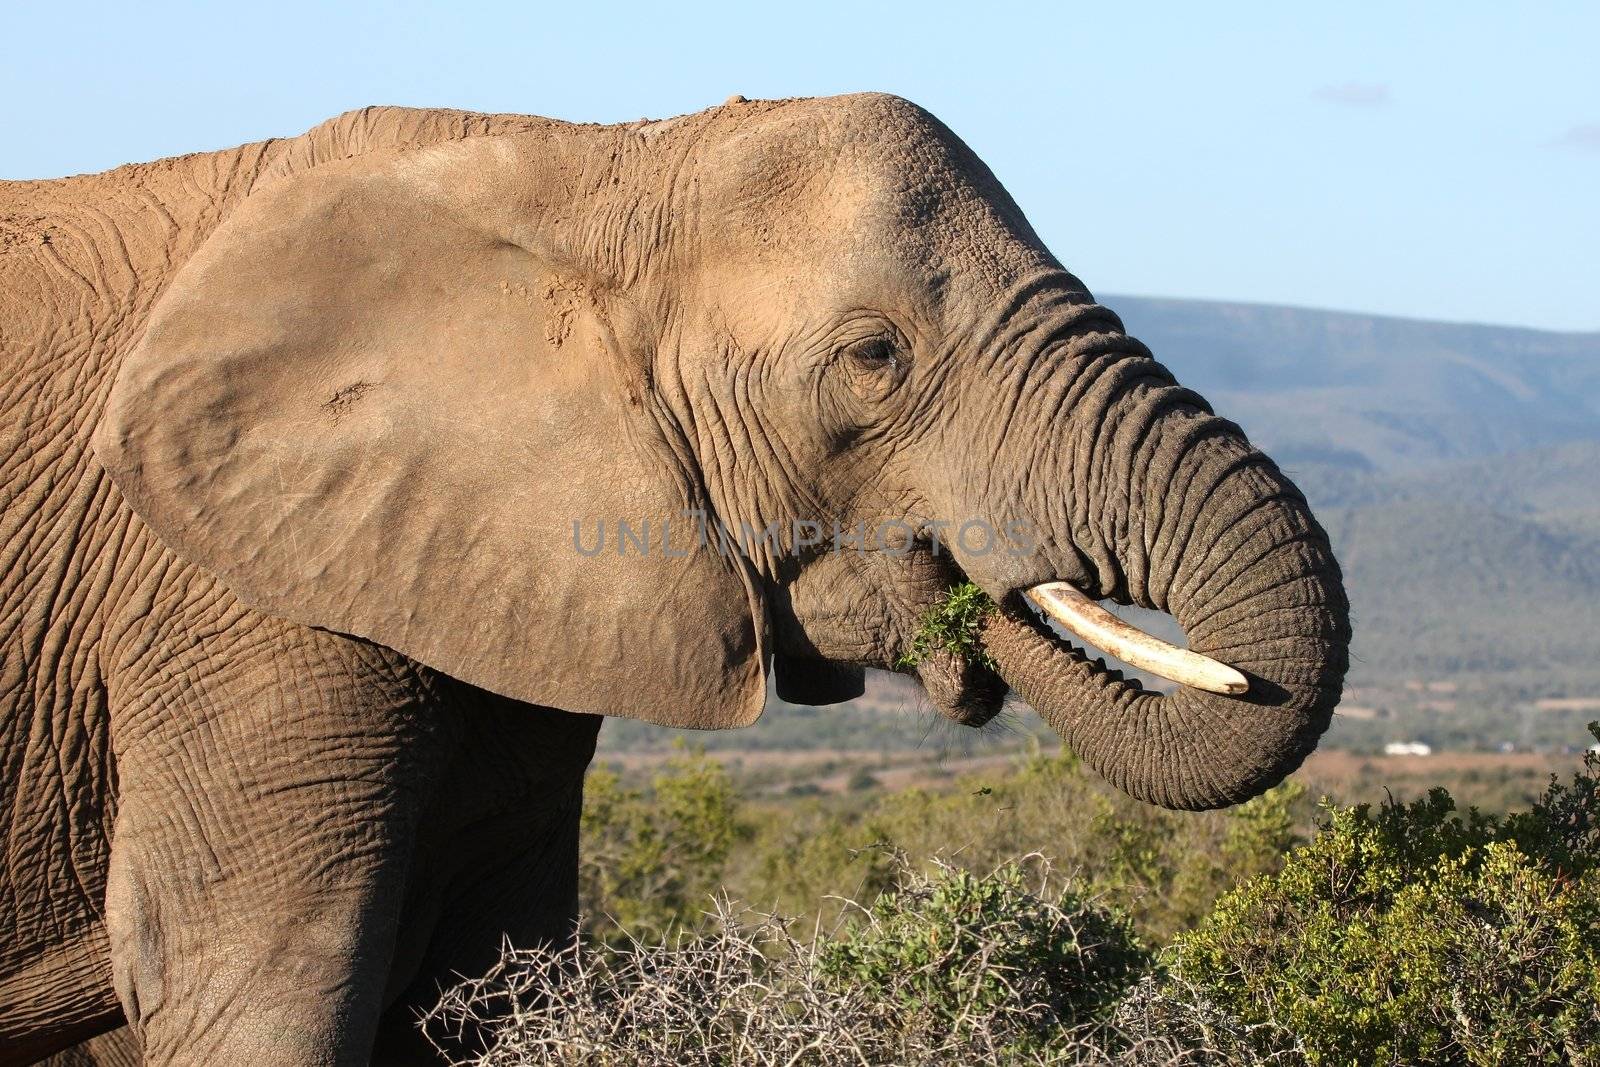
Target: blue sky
x,y
1439,160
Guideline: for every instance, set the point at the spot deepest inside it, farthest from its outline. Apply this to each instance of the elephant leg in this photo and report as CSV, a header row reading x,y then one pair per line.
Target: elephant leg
x,y
529,899
522,890
119,1048
269,792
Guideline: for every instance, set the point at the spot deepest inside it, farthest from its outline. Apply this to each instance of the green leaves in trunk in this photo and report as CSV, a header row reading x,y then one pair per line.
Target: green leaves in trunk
x,y
952,625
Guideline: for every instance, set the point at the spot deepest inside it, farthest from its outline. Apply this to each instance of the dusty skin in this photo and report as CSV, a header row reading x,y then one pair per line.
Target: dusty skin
x,y
294,438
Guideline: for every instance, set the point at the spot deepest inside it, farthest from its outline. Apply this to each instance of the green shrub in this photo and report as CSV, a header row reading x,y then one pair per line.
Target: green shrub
x,y
862,781
959,945
1419,935
1411,933
651,860
1163,868
949,969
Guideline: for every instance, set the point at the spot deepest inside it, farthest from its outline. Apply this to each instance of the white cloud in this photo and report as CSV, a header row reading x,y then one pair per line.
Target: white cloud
x,y
1585,135
1355,94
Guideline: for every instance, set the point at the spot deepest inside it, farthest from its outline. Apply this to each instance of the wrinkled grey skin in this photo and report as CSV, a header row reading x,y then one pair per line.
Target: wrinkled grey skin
x,y
295,434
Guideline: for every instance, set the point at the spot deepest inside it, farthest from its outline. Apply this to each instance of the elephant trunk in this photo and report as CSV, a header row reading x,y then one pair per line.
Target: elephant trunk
x,y
1168,506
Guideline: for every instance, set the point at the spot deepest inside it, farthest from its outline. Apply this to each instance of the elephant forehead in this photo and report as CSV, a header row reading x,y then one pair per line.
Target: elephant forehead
x,y
860,190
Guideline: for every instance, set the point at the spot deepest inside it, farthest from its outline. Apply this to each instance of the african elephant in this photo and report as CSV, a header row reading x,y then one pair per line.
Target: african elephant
x,y
308,444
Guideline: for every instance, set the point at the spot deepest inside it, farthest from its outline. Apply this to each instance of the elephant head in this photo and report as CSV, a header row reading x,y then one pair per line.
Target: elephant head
x,y
617,419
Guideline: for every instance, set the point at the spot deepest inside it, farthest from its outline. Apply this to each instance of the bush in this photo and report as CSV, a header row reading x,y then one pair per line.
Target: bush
x,y
959,945
948,969
862,781
1164,868
1415,934
651,860
1406,933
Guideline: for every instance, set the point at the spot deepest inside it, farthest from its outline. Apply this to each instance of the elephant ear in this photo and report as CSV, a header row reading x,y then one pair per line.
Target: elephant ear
x,y
383,400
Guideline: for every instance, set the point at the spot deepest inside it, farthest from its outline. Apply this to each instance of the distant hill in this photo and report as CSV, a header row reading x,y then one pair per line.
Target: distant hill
x,y
1456,467
1374,393
1440,589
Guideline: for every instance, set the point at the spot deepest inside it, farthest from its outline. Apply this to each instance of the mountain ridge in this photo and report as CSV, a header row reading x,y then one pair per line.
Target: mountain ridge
x,y
1112,300
1379,393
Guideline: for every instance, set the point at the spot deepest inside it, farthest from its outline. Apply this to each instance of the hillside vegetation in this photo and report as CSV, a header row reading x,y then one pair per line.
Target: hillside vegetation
x,y
1037,918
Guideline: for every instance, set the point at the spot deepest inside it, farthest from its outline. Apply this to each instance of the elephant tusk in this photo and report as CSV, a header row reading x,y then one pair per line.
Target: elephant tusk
x,y
1075,611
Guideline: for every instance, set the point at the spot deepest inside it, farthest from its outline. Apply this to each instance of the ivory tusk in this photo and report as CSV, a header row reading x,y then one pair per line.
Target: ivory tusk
x,y
1075,611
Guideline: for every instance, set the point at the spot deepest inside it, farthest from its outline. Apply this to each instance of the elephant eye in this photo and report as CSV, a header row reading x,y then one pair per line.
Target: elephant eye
x,y
875,363
875,353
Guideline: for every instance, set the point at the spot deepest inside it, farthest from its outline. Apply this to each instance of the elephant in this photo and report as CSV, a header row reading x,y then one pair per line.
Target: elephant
x,y
352,478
